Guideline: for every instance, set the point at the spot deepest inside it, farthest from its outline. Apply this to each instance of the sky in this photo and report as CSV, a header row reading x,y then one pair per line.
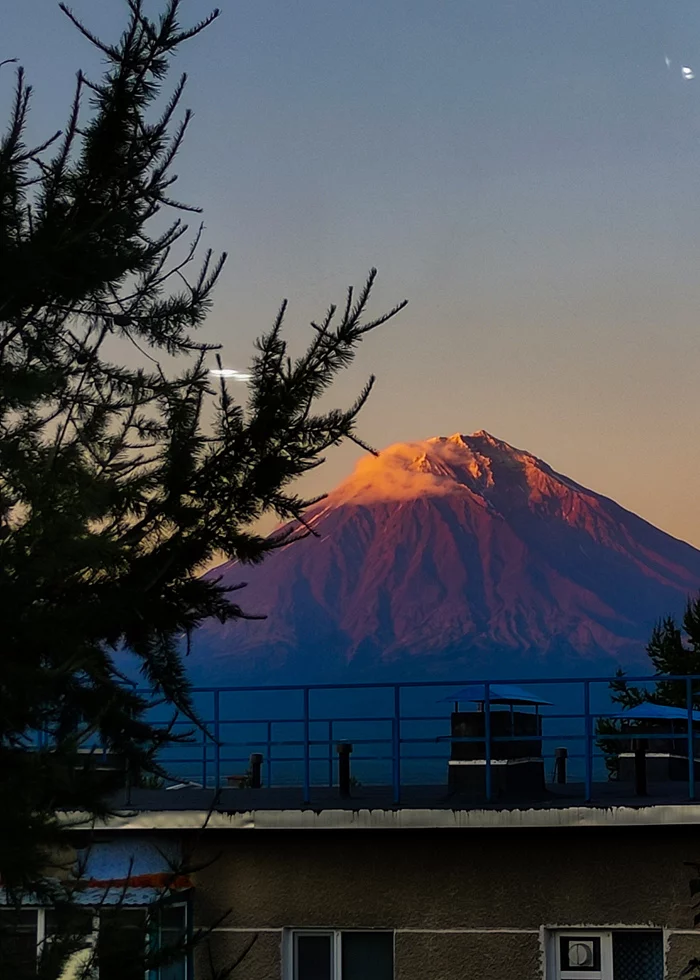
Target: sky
x,y
527,175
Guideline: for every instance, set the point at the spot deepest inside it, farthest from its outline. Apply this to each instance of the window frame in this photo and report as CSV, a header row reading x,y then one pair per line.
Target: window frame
x,y
553,934
39,927
153,974
555,970
186,902
289,948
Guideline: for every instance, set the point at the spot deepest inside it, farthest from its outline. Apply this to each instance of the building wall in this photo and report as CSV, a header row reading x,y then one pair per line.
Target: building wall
x,y
462,904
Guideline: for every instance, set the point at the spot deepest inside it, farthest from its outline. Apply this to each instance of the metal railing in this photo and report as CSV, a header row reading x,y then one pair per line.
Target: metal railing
x,y
397,752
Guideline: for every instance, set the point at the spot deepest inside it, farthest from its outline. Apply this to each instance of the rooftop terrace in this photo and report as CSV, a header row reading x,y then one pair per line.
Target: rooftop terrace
x,y
461,746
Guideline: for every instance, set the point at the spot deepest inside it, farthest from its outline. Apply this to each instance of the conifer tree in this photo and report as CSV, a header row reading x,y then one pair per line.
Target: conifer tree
x,y
673,650
115,488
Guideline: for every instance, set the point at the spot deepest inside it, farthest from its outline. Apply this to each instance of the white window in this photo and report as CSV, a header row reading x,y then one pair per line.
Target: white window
x,y
335,955
624,954
118,940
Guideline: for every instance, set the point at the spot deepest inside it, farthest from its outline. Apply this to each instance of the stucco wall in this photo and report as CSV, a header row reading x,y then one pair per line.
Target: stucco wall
x,y
463,904
454,956
680,949
221,950
449,879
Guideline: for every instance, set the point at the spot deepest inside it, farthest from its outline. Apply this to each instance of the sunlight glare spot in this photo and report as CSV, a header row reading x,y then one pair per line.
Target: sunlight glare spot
x,y
230,373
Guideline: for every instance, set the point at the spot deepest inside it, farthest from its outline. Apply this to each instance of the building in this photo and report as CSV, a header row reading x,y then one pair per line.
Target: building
x,y
567,881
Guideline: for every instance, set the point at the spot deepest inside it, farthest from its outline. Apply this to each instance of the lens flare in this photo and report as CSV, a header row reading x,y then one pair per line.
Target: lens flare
x,y
231,373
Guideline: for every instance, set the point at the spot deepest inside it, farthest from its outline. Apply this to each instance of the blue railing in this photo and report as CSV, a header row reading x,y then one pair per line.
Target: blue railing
x,y
402,739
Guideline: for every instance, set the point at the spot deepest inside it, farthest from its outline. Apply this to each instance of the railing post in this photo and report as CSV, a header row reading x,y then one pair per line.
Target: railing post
x,y
640,766
560,757
344,751
307,747
691,738
217,757
588,748
255,763
330,753
487,742
268,774
205,751
396,746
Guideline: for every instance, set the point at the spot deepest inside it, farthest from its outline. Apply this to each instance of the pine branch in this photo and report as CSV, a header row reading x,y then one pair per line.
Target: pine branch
x,y
120,480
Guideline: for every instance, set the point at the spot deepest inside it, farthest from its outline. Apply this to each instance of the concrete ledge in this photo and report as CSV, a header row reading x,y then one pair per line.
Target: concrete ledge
x,y
401,819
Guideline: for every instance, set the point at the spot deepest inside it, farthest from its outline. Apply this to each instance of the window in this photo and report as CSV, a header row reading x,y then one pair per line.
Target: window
x,y
119,939
333,955
632,954
122,944
18,942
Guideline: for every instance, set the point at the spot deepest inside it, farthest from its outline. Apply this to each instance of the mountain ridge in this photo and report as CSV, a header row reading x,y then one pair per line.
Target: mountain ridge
x,y
456,554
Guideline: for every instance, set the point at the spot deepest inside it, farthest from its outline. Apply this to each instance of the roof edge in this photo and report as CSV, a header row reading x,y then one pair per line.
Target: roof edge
x,y
387,819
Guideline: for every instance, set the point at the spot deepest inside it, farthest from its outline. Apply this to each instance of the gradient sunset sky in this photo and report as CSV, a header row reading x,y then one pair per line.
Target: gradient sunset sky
x,y
526,173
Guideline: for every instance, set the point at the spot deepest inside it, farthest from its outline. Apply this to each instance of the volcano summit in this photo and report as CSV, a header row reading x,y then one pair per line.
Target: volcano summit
x,y
453,556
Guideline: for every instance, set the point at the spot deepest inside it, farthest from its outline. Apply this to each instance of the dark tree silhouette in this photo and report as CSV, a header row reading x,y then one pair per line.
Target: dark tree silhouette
x,y
124,468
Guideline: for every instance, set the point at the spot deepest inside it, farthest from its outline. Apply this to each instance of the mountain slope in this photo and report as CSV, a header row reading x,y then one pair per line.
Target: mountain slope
x,y
457,555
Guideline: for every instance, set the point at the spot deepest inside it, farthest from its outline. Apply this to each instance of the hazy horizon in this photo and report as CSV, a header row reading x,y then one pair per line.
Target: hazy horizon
x,y
526,175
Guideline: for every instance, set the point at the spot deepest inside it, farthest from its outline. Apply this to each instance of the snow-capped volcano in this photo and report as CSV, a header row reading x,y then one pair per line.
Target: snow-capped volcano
x,y
458,555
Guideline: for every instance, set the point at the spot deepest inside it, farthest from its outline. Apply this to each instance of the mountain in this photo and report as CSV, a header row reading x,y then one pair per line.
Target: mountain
x,y
453,556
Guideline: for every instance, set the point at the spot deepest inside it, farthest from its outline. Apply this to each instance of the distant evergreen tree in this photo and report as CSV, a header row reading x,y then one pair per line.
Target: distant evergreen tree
x,y
123,473
673,650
